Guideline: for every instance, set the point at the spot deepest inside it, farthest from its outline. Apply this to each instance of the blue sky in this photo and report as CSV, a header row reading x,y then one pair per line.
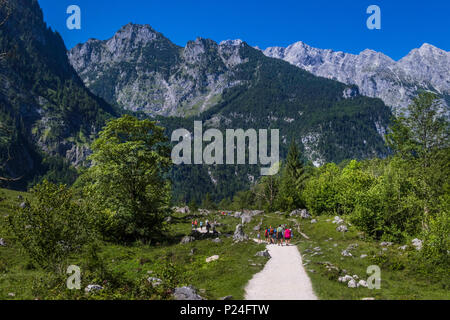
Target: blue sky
x,y
338,25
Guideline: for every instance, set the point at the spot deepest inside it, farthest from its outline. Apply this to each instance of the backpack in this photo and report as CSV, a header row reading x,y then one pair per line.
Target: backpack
x,y
266,233
271,231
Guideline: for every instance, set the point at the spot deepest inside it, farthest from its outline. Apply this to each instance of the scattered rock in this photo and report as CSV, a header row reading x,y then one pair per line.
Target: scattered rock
x,y
186,293
345,278
168,219
362,283
217,240
338,220
335,245
93,288
352,284
403,247
264,253
213,258
23,205
363,256
187,239
154,281
346,253
239,234
417,243
193,251
342,228
313,221
11,294
386,244
317,249
2,242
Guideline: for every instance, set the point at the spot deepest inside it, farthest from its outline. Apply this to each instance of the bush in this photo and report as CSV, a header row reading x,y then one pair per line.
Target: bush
x,y
52,226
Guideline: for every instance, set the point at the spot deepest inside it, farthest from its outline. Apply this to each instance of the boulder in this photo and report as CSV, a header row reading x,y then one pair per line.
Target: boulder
x,y
183,210
93,288
346,253
303,213
342,228
213,258
338,220
417,243
186,293
264,253
246,218
239,234
362,283
187,239
352,284
345,278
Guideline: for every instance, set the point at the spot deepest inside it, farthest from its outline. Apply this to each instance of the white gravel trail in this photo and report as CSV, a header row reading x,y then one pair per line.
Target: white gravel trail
x,y
283,277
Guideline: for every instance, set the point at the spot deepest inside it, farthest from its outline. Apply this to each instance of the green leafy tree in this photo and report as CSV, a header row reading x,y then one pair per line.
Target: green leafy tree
x,y
52,226
127,182
421,136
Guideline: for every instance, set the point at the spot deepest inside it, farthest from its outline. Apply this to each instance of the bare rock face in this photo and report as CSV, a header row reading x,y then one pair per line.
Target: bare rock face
x,y
141,70
376,75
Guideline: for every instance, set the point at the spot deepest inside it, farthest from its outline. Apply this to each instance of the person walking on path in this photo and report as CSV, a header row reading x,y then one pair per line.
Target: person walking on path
x,y
266,235
259,236
273,235
280,235
208,226
201,225
195,224
287,235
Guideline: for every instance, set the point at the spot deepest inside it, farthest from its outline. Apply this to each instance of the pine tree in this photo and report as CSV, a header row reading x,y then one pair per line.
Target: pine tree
x,y
292,180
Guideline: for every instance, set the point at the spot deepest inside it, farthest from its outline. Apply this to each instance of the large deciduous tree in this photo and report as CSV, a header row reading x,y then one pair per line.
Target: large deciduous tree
x,y
127,182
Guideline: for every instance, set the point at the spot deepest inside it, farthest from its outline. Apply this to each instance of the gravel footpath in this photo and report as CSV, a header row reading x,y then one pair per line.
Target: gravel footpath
x,y
283,277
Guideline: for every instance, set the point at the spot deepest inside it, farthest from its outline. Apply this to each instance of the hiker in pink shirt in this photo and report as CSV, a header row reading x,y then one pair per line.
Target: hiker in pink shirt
x,y
287,235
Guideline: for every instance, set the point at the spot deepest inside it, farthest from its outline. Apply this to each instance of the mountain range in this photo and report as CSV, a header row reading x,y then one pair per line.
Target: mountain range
x,y
376,75
55,101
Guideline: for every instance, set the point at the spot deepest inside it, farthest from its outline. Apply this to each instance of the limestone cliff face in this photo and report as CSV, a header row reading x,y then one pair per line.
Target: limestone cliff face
x,y
139,69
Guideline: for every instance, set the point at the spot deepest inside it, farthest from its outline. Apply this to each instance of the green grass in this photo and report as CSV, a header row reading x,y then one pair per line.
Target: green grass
x,y
230,274
226,276
399,277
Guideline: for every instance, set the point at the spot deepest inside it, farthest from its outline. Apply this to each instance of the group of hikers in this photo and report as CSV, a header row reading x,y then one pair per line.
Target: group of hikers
x,y
282,234
196,224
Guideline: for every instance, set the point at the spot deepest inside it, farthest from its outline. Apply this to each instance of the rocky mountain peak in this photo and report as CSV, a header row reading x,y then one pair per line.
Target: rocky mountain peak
x,y
376,74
